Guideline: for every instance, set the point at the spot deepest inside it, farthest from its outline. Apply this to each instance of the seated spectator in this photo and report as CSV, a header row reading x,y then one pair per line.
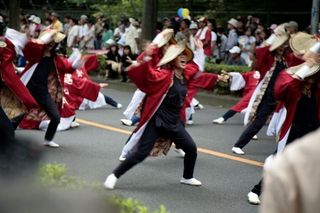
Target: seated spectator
x,y
235,58
126,60
112,61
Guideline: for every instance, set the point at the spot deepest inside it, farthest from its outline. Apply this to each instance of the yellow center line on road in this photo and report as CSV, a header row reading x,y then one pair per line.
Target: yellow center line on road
x,y
201,150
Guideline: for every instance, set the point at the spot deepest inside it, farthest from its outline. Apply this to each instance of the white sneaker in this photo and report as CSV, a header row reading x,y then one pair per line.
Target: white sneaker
x,y
51,144
190,122
74,124
126,122
122,158
255,137
237,150
191,181
180,152
218,120
110,182
199,106
253,198
119,106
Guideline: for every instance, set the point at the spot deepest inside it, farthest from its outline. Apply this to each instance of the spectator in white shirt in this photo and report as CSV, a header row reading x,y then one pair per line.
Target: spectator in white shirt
x,y
73,33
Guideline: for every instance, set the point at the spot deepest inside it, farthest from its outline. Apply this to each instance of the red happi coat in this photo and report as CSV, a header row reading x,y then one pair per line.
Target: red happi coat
x,y
15,97
287,92
78,86
33,53
250,85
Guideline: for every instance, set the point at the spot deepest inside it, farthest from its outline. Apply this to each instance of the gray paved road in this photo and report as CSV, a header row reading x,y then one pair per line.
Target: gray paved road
x,y
91,153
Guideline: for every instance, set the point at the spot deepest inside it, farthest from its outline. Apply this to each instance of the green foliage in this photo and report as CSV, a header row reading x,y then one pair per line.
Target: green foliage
x,y
54,175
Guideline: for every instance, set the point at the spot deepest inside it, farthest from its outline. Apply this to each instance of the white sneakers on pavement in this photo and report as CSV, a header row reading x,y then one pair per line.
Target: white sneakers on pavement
x,y
126,122
180,152
74,124
237,150
190,122
218,120
191,181
255,137
51,144
253,198
110,182
119,106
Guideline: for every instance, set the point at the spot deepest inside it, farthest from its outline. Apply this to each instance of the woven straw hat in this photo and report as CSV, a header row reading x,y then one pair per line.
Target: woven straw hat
x,y
301,42
174,51
309,71
163,37
51,35
278,40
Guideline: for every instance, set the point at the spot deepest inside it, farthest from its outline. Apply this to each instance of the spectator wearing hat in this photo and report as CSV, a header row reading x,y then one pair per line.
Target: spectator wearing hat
x,y
83,30
232,39
204,35
56,24
235,57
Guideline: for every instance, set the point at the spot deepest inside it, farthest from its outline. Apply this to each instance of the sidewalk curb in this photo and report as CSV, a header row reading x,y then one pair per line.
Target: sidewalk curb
x,y
205,97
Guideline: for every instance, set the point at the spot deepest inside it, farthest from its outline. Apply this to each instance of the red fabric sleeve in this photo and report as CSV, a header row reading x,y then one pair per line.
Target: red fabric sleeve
x,y
33,52
149,79
13,81
287,89
88,89
63,66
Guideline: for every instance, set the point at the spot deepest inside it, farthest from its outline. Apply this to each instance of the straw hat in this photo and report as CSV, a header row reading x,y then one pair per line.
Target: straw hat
x,y
301,42
174,51
233,22
276,41
37,20
163,37
51,35
312,64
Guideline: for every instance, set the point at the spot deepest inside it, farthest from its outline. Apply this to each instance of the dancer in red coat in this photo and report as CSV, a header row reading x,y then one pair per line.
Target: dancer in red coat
x,y
166,90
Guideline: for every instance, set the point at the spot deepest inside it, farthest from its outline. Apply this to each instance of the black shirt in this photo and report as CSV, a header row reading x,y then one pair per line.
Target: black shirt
x,y
38,83
269,94
168,114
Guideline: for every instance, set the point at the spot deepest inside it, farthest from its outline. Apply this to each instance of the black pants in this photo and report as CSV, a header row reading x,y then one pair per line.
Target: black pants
x,y
52,111
230,113
110,101
6,132
180,137
263,112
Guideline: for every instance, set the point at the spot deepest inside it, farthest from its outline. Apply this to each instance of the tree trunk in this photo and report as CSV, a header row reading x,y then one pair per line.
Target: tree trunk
x,y
149,19
14,13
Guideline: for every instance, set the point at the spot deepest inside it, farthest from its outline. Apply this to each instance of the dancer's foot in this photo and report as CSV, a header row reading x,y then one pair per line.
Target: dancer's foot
x,y
253,198
110,182
255,137
51,144
191,181
218,120
180,152
126,122
237,150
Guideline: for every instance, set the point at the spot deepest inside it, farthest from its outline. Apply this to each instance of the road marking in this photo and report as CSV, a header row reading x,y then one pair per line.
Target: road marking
x,y
202,150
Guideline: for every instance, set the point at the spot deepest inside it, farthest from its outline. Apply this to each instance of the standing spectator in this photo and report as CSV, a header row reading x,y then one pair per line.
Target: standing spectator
x,y
106,34
89,38
98,31
260,36
166,22
204,34
221,44
247,45
47,23
184,33
66,25
232,38
132,36
73,33
56,24
83,30
213,37
235,58
38,27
